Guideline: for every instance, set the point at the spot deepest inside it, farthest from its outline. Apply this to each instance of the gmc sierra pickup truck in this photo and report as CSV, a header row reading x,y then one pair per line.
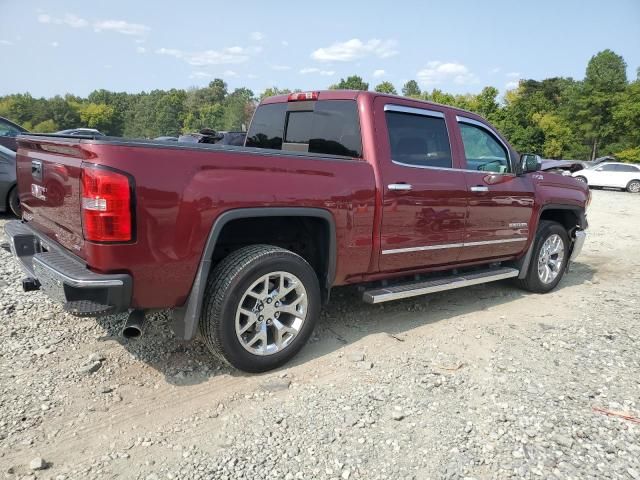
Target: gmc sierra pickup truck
x,y
245,243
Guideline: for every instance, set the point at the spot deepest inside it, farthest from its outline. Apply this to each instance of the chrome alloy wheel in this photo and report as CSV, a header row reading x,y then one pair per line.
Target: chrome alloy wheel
x,y
271,313
550,259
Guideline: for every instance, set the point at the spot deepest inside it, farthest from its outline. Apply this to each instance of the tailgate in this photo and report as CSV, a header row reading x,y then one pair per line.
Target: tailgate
x,y
49,175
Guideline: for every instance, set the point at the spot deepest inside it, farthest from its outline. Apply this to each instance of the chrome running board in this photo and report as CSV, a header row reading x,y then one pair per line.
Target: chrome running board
x,y
440,284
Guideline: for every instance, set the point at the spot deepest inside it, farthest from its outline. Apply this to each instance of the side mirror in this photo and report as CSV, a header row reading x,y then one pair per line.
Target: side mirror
x,y
530,162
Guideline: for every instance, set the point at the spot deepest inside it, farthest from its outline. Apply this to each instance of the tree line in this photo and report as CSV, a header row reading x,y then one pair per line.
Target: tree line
x,y
556,117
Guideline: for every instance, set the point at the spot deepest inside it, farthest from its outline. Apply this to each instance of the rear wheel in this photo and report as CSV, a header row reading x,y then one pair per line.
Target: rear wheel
x,y
14,202
633,186
260,307
549,258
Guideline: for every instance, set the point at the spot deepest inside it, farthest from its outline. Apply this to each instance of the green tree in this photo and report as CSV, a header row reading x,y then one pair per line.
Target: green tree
x,y
98,115
353,82
386,87
604,82
273,91
411,89
47,126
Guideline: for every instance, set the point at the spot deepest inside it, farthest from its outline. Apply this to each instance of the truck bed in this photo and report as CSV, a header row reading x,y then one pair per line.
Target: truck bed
x,y
180,189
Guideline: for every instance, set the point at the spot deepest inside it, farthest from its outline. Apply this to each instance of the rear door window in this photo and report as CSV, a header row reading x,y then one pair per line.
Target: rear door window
x,y
419,140
329,127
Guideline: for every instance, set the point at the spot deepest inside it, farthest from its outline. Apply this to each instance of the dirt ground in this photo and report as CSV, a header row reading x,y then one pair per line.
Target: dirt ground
x,y
484,382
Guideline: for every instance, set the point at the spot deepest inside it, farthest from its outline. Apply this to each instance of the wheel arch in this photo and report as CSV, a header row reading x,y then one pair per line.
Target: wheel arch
x,y
569,216
631,181
185,318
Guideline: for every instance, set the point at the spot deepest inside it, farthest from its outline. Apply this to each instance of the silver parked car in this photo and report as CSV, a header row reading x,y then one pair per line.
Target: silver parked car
x,y
9,200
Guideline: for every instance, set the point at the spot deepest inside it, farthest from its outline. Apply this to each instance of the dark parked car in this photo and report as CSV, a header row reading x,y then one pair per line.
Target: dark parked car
x,y
8,133
8,191
81,131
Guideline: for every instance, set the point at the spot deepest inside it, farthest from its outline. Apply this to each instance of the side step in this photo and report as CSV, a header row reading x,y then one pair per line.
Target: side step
x,y
414,289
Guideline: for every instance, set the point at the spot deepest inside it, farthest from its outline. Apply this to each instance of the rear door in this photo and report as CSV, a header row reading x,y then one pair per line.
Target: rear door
x,y
424,191
500,204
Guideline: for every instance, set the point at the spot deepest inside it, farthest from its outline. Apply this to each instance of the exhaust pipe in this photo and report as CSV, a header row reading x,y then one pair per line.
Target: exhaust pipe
x,y
133,326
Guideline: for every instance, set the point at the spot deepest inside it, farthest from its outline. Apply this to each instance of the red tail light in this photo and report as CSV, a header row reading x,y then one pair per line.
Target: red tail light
x,y
302,96
106,205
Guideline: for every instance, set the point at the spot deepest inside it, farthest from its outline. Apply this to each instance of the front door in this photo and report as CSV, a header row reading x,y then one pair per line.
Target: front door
x,y
500,203
424,194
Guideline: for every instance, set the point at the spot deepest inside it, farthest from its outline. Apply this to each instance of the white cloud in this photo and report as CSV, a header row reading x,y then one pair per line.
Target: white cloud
x,y
513,74
354,49
439,72
379,73
231,55
257,36
120,26
327,73
511,85
55,44
6,42
141,49
280,67
69,19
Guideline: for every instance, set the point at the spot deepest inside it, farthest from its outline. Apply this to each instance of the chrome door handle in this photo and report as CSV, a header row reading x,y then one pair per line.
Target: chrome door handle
x,y
479,188
400,187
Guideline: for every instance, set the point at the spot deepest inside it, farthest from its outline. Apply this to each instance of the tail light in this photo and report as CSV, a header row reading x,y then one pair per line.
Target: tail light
x,y
302,96
106,205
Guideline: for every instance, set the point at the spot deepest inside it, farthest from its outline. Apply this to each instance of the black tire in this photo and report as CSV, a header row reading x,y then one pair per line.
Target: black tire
x,y
633,186
226,287
532,281
582,179
14,202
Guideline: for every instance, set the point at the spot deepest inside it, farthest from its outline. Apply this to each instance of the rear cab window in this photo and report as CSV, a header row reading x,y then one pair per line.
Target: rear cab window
x,y
328,127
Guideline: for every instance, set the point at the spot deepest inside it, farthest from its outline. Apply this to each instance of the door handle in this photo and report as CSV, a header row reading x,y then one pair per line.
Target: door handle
x,y
479,189
403,187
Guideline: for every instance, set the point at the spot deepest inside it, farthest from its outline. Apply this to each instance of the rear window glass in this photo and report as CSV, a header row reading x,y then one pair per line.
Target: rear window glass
x,y
331,128
267,127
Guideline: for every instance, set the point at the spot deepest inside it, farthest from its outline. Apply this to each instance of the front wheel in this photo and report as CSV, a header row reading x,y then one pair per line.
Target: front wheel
x,y
633,186
260,307
549,258
582,179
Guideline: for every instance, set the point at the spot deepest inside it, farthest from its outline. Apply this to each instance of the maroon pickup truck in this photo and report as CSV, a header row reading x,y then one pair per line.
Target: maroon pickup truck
x,y
245,243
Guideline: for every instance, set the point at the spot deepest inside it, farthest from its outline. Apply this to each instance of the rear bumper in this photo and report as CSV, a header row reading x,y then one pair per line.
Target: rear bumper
x,y
66,278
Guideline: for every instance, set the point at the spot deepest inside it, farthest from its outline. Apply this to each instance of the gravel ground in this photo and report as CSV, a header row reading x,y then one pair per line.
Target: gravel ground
x,y
483,383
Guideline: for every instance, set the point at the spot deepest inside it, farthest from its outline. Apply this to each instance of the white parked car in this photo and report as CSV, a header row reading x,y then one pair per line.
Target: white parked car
x,y
612,174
